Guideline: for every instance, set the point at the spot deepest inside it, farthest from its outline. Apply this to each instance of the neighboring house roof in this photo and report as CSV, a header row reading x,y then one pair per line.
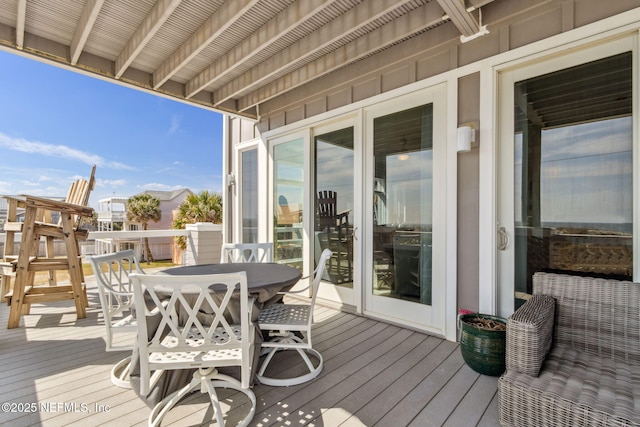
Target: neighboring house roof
x,y
232,56
165,196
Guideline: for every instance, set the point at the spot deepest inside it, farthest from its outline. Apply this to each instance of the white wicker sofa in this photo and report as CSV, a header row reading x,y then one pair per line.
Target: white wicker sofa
x,y
573,355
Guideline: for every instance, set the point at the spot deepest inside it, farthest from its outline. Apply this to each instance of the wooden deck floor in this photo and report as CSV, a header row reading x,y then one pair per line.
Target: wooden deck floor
x,y
55,372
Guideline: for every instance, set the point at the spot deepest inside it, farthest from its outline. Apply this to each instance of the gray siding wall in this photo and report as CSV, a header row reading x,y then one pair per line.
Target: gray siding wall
x,y
513,23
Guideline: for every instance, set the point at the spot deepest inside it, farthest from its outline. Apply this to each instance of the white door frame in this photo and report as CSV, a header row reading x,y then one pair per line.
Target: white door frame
x,y
235,182
501,298
429,318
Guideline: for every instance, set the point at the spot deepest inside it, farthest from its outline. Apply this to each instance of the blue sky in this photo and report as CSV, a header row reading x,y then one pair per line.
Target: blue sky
x,y
55,124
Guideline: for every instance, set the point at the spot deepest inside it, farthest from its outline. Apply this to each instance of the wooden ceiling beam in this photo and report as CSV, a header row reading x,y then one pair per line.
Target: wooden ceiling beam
x,y
464,21
87,21
216,25
21,17
291,18
307,47
145,32
423,17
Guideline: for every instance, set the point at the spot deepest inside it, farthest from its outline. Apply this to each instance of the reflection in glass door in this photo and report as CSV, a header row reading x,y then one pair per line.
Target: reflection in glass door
x,y
571,160
403,205
288,197
249,195
334,222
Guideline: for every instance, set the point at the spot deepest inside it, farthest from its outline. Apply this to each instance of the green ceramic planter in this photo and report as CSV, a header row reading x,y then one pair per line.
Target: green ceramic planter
x,y
483,349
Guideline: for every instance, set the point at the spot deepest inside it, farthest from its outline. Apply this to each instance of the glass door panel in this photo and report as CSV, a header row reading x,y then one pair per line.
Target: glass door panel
x,y
288,196
249,195
334,204
571,163
403,205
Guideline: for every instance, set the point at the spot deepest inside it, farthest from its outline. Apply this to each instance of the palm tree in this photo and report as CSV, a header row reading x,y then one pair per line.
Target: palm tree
x,y
202,207
143,208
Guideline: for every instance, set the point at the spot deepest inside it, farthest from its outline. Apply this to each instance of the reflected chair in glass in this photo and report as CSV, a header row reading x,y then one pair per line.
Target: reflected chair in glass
x,y
284,322
183,340
246,252
116,297
336,234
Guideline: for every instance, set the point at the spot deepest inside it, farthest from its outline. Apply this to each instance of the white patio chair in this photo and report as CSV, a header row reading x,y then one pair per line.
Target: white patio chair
x,y
284,323
190,343
116,297
246,252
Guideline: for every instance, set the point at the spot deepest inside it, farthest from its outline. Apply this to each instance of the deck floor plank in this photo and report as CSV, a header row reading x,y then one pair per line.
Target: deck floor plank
x,y
375,374
325,392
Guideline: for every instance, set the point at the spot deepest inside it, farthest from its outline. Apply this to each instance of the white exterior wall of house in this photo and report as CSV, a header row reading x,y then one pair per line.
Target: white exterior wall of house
x,y
519,32
161,247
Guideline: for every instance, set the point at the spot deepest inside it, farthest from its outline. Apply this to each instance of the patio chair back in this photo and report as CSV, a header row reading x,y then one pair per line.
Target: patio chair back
x,y
116,298
186,339
183,340
246,252
116,294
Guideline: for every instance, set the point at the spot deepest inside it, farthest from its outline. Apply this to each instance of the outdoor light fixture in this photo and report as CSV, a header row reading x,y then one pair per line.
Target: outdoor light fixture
x,y
466,136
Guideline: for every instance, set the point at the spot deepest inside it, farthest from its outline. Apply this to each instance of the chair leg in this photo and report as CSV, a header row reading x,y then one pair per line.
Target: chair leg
x,y
207,379
120,373
162,408
304,353
6,288
215,403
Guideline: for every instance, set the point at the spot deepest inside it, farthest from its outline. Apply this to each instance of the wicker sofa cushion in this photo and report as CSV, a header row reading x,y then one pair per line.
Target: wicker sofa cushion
x,y
598,316
576,388
529,335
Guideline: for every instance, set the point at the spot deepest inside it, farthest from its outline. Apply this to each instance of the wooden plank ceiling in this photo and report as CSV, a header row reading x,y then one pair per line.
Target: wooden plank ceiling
x,y
228,55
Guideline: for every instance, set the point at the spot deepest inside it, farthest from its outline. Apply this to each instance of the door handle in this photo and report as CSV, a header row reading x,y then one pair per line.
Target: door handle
x,y
355,233
504,239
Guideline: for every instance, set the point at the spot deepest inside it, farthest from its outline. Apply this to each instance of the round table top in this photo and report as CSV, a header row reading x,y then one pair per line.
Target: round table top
x,y
260,276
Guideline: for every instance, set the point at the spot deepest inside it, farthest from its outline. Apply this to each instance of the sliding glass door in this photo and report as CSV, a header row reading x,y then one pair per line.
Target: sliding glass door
x,y
336,216
288,202
567,186
407,152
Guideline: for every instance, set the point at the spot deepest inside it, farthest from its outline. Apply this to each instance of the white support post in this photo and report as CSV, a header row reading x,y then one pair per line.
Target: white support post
x,y
205,243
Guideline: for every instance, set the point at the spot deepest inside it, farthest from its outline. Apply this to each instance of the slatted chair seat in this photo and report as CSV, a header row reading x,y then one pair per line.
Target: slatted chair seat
x,y
196,338
128,321
289,314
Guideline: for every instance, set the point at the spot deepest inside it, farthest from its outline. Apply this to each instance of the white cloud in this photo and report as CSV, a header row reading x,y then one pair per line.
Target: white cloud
x,y
111,182
175,124
160,187
51,150
118,165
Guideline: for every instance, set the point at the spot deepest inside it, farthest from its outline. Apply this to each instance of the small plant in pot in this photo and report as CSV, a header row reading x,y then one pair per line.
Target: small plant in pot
x,y
482,342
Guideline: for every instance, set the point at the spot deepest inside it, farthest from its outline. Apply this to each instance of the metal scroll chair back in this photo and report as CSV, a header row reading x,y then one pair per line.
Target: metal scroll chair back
x,y
283,322
116,297
247,252
184,340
